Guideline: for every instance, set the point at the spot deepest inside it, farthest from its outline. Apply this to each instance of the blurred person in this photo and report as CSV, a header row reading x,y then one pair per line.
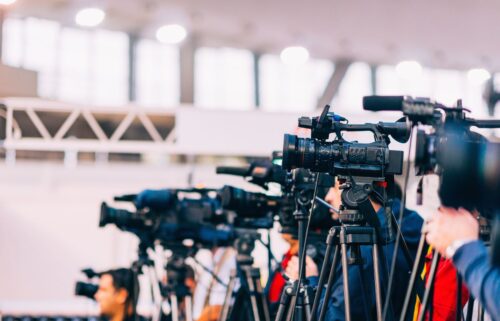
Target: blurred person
x,y
209,293
361,291
117,295
454,233
277,281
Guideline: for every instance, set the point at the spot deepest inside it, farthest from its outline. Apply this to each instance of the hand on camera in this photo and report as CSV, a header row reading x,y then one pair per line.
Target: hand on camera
x,y
449,225
292,269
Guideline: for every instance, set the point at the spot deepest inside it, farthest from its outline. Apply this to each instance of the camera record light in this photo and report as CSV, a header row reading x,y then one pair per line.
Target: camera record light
x,y
408,69
90,17
295,55
478,75
171,34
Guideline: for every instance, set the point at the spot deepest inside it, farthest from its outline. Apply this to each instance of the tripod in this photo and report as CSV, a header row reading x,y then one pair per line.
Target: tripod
x,y
176,290
294,302
144,265
360,226
250,303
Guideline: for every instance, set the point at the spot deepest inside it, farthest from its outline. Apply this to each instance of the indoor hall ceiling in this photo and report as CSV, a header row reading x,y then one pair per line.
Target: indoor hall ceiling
x,y
438,33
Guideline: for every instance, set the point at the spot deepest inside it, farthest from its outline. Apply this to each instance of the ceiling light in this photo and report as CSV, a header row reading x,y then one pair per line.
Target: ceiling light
x,y
90,17
171,34
478,75
408,69
295,55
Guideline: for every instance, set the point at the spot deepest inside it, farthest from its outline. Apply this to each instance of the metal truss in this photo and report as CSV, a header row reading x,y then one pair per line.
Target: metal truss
x,y
26,130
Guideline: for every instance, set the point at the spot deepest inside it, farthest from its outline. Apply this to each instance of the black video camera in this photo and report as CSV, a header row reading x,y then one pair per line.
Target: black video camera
x,y
467,164
297,188
341,157
86,289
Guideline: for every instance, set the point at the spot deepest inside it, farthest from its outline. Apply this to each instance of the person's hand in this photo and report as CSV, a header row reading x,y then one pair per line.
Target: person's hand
x,y
292,269
449,225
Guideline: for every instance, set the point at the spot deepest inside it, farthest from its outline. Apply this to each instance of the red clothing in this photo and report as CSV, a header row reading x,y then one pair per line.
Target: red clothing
x,y
445,290
278,282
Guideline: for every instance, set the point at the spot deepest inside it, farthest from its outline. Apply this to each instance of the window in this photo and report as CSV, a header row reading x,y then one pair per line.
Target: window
x,y
157,71
292,88
224,78
355,85
73,64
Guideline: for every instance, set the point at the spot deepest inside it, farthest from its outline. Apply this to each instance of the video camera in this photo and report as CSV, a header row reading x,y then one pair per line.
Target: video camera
x,y
467,164
171,216
296,187
341,157
86,289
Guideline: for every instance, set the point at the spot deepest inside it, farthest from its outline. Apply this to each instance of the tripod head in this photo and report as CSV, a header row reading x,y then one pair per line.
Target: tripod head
x,y
244,245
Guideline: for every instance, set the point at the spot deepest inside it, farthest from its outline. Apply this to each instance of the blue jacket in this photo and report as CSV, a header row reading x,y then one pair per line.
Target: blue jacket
x,y
361,282
482,279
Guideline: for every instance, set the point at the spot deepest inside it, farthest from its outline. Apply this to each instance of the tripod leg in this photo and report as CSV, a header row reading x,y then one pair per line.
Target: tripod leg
x,y
430,282
480,313
458,316
284,303
229,294
376,275
329,286
188,301
470,309
345,275
155,291
413,277
175,307
319,290
257,299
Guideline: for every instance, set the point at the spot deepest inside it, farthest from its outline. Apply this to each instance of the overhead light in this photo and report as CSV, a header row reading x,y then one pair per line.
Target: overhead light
x,y
90,17
7,2
171,34
295,55
408,69
478,75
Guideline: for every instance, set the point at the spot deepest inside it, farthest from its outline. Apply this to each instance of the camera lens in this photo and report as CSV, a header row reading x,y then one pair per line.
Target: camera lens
x,y
86,289
298,152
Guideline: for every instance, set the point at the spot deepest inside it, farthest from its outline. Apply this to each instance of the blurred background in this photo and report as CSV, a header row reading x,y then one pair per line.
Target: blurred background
x,y
100,98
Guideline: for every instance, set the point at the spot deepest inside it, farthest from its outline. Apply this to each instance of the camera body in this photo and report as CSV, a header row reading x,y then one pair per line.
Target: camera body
x,y
341,157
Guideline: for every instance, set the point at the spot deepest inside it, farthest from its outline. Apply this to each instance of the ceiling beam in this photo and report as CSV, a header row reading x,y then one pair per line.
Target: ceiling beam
x,y
333,85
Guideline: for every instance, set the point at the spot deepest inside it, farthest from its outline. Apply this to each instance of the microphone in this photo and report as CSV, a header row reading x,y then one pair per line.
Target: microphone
x,y
232,170
379,103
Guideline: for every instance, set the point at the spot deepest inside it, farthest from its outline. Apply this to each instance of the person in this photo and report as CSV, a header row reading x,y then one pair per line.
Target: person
x,y
361,289
210,292
454,233
277,281
117,295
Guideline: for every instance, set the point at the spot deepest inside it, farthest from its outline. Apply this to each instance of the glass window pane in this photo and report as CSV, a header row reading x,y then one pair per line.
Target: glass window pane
x,y
356,84
292,88
157,70
224,78
41,40
109,68
13,31
75,65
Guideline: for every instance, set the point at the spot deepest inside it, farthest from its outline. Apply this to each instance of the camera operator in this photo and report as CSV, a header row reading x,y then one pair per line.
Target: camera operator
x,y
117,295
210,290
455,235
360,288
